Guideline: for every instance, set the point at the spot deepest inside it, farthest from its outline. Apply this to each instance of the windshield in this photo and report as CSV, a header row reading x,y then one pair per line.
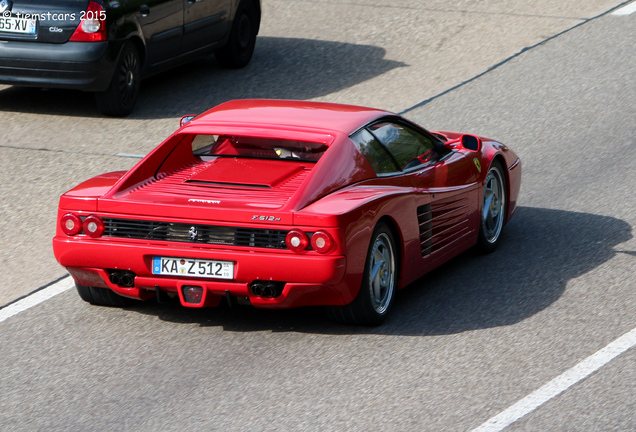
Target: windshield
x,y
259,148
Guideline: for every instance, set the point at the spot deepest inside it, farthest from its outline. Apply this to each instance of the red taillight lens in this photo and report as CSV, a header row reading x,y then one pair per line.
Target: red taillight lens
x,y
321,241
193,294
93,226
71,224
296,240
92,27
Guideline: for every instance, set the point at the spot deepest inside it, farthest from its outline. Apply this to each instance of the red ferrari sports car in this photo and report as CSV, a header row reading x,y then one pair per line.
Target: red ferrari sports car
x,y
282,204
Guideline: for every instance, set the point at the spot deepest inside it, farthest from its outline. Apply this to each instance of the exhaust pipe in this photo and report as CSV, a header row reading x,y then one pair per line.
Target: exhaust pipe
x,y
267,290
258,289
127,280
124,279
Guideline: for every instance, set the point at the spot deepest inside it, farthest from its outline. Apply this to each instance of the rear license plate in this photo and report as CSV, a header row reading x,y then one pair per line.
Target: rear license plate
x,y
193,267
18,25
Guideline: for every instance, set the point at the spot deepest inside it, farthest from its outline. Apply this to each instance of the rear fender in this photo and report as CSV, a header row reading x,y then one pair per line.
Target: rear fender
x,y
358,210
84,196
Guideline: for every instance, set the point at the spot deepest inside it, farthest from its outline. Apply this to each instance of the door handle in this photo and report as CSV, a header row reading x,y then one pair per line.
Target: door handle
x,y
144,10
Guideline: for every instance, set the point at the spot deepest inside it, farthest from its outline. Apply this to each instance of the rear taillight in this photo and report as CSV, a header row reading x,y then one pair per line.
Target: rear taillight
x,y
321,241
71,224
92,27
93,226
296,240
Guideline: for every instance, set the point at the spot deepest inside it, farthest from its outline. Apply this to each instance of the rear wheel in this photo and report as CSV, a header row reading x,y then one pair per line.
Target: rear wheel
x,y
119,98
102,296
375,298
493,209
240,47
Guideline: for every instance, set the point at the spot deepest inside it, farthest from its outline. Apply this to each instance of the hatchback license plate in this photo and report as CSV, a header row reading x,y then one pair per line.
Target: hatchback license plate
x,y
193,267
18,25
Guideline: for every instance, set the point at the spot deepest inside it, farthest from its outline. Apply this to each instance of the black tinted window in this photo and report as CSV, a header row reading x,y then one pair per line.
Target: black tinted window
x,y
409,147
376,154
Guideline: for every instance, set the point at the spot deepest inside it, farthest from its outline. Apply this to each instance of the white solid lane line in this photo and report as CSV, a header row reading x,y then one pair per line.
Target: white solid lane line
x,y
560,383
625,10
36,298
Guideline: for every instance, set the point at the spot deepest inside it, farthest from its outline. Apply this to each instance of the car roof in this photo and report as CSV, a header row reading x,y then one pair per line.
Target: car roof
x,y
278,113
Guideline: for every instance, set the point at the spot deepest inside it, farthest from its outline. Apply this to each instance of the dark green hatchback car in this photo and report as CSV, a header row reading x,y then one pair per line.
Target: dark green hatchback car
x,y
107,46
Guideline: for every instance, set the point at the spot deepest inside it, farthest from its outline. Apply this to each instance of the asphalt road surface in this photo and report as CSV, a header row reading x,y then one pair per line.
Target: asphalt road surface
x,y
466,342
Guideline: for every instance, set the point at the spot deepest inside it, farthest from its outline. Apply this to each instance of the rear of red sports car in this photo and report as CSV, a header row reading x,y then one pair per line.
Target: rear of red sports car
x,y
282,204
212,213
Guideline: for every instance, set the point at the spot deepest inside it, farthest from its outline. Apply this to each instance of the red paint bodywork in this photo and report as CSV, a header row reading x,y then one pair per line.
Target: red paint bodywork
x,y
340,194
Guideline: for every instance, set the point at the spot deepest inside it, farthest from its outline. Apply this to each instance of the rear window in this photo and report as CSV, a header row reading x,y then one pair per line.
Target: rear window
x,y
259,148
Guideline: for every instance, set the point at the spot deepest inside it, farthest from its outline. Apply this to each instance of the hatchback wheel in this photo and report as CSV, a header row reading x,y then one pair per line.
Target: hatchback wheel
x,y
240,47
119,98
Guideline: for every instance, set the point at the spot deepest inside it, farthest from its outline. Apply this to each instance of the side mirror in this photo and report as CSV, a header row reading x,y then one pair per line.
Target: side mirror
x,y
185,120
471,142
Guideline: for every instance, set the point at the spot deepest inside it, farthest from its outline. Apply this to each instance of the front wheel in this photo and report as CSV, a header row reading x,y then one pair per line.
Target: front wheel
x,y
493,209
375,298
103,296
240,47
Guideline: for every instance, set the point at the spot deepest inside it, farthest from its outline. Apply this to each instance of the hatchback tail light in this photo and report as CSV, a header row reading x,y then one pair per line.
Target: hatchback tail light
x,y
92,27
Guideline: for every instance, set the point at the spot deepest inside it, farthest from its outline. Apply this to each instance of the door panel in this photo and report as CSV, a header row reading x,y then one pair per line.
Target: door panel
x,y
448,223
204,22
162,25
445,184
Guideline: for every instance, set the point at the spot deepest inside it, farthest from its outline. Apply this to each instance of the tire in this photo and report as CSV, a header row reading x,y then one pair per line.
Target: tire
x,y
493,209
239,49
121,95
103,296
377,291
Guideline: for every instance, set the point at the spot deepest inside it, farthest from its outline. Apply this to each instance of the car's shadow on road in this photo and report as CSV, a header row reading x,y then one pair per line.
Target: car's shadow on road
x,y
281,68
542,250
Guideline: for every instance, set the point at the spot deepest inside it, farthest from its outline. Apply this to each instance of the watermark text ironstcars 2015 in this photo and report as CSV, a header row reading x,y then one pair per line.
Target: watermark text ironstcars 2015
x,y
58,16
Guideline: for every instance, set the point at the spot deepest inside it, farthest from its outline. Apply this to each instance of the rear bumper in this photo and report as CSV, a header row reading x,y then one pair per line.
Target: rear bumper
x,y
85,66
310,279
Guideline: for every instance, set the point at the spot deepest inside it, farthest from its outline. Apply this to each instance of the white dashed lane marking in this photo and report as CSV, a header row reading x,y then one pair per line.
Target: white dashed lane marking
x,y
625,10
497,423
36,298
559,384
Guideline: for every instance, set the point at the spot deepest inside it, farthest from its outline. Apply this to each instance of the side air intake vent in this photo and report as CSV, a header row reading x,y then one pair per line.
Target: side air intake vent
x,y
424,217
442,224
